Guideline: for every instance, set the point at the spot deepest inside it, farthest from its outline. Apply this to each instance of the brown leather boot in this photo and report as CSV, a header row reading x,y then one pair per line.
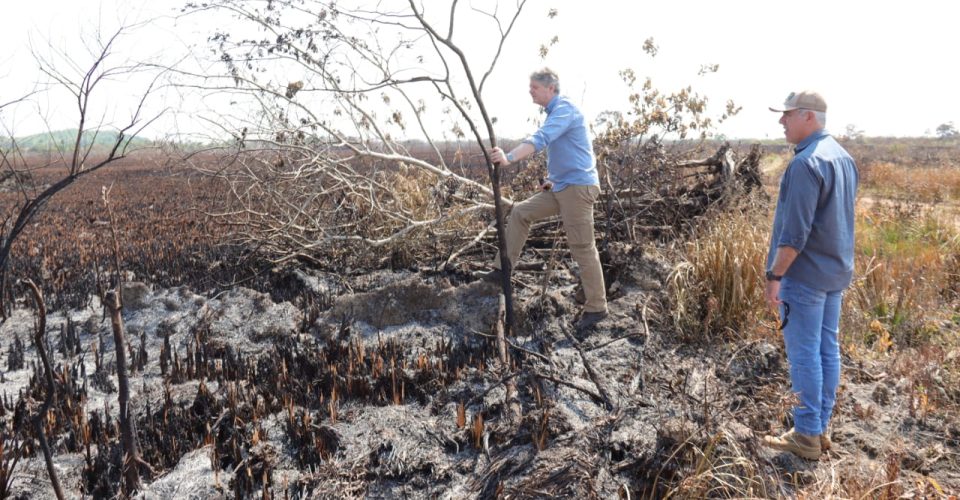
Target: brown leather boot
x,y
825,442
800,445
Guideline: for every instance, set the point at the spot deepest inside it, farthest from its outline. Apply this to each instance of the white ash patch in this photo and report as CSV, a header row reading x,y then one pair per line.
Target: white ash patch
x,y
472,306
192,478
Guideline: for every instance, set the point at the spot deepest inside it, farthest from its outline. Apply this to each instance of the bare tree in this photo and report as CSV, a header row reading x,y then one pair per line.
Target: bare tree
x,y
7,173
947,131
341,122
340,153
84,157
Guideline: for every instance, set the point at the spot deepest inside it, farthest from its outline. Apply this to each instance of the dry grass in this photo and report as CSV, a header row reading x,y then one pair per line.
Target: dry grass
x,y
929,184
719,467
906,266
718,286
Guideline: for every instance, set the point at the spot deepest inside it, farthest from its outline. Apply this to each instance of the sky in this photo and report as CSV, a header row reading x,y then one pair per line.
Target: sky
x,y
885,67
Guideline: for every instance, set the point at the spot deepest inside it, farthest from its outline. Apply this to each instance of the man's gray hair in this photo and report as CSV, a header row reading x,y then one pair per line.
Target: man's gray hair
x,y
546,77
821,117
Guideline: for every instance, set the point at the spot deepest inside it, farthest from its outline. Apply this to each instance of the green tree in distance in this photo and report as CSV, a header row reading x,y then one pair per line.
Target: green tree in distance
x,y
947,131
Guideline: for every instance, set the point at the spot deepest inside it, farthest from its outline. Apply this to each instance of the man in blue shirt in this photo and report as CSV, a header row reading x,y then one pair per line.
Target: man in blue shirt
x,y
571,188
809,264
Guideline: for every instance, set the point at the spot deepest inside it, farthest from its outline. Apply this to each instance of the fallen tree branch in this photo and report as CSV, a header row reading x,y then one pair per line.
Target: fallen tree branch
x,y
593,394
594,376
518,347
475,241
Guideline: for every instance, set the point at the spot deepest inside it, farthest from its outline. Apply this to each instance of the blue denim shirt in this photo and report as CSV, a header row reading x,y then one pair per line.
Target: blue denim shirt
x,y
570,159
815,213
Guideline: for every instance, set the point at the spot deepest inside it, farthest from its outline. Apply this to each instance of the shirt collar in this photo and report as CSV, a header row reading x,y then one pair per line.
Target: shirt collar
x,y
816,136
552,104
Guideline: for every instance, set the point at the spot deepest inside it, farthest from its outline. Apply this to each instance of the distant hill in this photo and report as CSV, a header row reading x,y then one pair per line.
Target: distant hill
x,y
64,140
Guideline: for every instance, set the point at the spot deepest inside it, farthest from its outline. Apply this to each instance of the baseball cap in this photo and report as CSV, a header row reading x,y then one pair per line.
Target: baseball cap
x,y
804,99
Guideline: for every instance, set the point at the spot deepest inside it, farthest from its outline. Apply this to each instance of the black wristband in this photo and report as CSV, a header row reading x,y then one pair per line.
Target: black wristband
x,y
773,277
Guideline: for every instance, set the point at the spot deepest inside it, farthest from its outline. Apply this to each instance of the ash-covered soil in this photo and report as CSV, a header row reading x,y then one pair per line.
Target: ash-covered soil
x,y
389,385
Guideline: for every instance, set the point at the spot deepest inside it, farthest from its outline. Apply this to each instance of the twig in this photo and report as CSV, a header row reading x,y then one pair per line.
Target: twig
x,y
443,440
479,397
571,385
594,376
646,330
626,336
469,245
535,354
736,353
864,373
518,347
549,270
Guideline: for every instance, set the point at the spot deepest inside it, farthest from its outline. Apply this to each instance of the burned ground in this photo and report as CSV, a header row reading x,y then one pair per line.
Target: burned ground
x,y
384,383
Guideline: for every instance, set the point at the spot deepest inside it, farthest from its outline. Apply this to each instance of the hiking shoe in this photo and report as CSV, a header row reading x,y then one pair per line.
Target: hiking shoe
x,y
800,445
590,320
494,276
825,442
580,297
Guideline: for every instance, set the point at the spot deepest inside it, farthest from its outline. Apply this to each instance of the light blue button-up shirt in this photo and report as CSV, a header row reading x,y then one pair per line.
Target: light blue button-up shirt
x,y
815,213
570,159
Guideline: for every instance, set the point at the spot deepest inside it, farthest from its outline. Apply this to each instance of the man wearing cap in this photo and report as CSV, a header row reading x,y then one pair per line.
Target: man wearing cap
x,y
571,188
809,264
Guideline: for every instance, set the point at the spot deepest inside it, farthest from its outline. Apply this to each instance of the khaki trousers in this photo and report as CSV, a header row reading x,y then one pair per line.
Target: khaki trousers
x,y
575,206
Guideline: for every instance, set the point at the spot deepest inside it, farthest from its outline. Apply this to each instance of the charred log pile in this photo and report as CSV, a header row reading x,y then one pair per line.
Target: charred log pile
x,y
671,199
384,215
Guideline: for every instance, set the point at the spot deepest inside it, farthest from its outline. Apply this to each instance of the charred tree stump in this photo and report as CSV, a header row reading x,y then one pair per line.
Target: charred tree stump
x,y
128,435
113,304
512,401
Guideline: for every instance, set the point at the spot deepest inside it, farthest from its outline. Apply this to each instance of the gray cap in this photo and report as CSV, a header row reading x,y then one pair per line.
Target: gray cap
x,y
802,100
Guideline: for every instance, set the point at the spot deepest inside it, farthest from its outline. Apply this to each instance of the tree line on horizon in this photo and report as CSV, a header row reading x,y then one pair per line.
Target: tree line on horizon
x,y
65,140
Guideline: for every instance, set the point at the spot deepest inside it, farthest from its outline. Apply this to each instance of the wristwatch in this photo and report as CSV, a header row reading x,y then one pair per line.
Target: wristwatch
x,y
773,277
509,157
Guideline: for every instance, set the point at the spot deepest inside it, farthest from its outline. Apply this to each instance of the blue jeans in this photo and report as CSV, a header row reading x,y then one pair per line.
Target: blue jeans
x,y
810,335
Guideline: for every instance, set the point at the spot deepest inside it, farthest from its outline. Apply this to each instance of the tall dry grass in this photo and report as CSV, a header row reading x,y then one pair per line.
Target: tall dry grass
x,y
718,285
717,466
